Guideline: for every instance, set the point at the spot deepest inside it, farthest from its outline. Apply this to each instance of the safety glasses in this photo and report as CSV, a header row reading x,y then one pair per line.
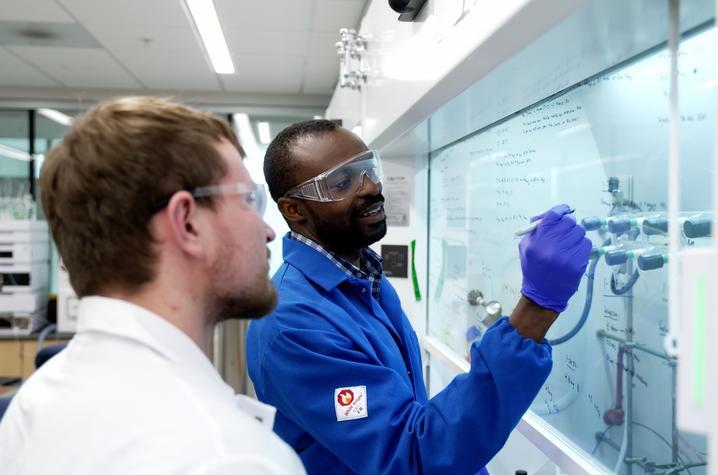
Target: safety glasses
x,y
254,194
341,181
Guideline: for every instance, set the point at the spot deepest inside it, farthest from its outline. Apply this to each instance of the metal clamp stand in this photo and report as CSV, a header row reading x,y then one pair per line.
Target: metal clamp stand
x,y
351,50
492,307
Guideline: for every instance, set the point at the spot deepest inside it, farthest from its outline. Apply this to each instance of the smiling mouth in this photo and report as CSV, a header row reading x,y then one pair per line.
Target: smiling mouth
x,y
373,210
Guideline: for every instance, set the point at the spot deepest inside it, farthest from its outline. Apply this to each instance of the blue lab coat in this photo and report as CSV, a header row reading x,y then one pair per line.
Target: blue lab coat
x,y
328,332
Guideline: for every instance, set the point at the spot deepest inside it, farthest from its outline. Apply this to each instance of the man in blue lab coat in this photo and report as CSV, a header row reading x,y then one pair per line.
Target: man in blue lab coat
x,y
338,357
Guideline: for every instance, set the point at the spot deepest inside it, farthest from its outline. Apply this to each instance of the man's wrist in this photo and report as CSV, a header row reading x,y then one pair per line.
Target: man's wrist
x,y
531,320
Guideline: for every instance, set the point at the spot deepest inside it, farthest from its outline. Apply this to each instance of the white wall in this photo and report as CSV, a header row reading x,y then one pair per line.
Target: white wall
x,y
408,156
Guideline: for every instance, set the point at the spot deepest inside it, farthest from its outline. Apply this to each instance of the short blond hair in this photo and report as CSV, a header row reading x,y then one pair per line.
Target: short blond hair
x,y
100,185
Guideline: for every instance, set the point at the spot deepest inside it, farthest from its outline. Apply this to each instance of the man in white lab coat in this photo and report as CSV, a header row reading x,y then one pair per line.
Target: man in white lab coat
x,y
160,227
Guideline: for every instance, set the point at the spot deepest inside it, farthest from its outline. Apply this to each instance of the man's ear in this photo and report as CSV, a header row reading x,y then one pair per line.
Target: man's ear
x,y
292,209
184,223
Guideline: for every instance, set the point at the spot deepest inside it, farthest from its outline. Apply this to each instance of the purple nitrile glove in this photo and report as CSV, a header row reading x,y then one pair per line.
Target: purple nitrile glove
x,y
553,259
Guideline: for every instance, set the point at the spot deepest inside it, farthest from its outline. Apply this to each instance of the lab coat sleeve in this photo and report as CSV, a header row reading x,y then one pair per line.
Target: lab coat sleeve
x,y
456,432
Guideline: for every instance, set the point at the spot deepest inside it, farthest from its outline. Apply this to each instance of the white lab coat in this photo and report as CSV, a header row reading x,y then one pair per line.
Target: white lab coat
x,y
133,394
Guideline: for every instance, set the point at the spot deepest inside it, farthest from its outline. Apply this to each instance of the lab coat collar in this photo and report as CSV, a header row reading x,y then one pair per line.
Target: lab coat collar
x,y
313,264
127,320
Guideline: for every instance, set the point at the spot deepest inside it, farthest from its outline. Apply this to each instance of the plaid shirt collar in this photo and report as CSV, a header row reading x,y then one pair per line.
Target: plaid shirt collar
x,y
369,261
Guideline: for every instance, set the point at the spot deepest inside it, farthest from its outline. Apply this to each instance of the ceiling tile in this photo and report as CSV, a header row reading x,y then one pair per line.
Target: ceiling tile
x,y
279,46
175,74
35,10
142,48
147,40
78,67
128,12
265,73
15,72
243,40
323,45
290,15
324,87
320,76
24,33
331,15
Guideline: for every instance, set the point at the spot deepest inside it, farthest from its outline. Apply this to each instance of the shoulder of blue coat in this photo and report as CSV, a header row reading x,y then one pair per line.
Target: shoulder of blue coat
x,y
302,304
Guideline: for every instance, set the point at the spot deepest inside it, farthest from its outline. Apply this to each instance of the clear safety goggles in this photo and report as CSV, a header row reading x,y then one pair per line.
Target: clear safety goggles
x,y
254,194
341,181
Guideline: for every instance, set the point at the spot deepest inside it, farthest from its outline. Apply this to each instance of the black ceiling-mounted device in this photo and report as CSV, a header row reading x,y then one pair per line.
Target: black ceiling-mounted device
x,y
408,9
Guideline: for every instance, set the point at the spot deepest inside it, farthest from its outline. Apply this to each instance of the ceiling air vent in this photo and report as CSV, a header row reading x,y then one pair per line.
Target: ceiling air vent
x,y
37,34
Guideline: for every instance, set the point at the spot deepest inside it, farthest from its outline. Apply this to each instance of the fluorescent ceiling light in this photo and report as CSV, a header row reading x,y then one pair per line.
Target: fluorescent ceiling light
x,y
14,153
57,116
205,19
264,135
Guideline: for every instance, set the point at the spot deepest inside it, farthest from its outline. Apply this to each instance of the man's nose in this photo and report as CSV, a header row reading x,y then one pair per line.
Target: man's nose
x,y
368,187
269,232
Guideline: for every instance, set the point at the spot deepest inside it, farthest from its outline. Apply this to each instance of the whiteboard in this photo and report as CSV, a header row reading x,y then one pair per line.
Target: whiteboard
x,y
564,149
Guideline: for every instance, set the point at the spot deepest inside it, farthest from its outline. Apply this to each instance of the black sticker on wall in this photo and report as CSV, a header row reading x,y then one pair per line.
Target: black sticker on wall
x,y
395,260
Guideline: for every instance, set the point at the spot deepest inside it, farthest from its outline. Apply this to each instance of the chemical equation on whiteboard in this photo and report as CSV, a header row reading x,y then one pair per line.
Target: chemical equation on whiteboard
x,y
571,383
547,123
571,363
610,327
521,180
481,153
551,407
513,159
610,314
549,107
508,289
594,405
685,118
512,218
662,328
559,113
628,369
456,215
620,76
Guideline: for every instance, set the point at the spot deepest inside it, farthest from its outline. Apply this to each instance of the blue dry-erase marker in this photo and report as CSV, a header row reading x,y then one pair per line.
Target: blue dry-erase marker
x,y
535,225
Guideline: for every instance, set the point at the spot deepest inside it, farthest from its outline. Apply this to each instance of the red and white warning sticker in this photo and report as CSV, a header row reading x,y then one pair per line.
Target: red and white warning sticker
x,y
350,403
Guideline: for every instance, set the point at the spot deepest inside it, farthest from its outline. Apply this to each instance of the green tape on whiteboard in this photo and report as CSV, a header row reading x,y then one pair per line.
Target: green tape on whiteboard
x,y
414,278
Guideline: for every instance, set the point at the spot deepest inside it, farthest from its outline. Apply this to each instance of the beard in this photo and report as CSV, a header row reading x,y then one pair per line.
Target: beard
x,y
243,300
350,235
257,305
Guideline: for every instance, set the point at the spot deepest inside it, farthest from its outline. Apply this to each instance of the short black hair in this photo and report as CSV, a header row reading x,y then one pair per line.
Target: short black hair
x,y
279,164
